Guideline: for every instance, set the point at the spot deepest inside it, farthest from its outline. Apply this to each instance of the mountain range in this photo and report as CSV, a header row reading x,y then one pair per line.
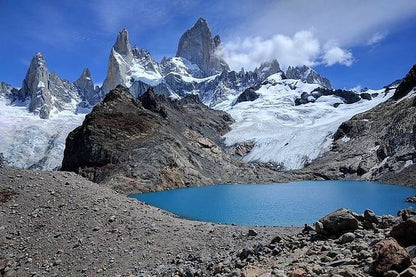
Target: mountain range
x,y
284,118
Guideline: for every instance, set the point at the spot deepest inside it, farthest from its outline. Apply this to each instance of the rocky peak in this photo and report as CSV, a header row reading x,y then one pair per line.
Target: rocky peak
x,y
37,72
85,86
307,75
119,63
45,90
268,68
406,85
122,44
198,46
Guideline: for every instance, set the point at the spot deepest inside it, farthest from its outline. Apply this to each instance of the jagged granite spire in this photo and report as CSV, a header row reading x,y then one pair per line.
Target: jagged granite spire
x,y
34,87
119,63
46,90
198,46
122,45
307,75
85,86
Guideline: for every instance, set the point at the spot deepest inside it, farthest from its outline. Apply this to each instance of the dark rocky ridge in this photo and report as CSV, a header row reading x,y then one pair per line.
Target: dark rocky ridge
x,y
406,85
153,143
376,145
346,96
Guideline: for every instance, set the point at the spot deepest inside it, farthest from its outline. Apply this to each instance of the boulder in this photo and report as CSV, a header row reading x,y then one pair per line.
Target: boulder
x,y
370,216
337,223
405,232
389,255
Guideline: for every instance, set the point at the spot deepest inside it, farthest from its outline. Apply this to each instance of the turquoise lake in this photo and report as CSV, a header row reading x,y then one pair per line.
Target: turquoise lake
x,y
288,204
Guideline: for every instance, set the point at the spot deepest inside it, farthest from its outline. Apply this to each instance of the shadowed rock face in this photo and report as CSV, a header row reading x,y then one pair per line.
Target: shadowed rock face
x,y
153,143
198,46
375,145
407,84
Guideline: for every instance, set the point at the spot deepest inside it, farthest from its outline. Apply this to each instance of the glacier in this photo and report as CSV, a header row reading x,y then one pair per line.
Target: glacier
x,y
27,141
285,134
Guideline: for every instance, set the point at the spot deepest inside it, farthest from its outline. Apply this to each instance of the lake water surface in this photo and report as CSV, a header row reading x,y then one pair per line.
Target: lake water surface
x,y
285,204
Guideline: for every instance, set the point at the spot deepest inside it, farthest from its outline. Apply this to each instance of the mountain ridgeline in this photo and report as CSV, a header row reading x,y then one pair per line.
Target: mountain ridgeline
x,y
153,126
196,69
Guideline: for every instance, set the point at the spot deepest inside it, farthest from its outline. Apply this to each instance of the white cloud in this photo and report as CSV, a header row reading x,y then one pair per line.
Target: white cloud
x,y
277,24
376,38
333,54
303,48
349,22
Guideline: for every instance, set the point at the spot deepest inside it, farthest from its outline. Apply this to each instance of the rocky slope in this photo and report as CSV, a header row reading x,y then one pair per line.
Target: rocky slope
x,y
154,143
377,144
59,224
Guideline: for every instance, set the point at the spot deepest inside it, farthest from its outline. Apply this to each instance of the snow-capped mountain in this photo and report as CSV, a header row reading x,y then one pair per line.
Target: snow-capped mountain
x,y
287,117
36,119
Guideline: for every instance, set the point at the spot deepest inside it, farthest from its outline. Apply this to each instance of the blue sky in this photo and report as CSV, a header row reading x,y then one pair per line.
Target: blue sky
x,y
352,42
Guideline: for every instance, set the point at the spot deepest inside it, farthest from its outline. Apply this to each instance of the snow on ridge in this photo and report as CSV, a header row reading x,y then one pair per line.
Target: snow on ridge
x,y
286,134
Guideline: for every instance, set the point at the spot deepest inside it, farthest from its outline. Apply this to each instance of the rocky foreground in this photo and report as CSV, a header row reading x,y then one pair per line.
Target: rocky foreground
x,y
59,224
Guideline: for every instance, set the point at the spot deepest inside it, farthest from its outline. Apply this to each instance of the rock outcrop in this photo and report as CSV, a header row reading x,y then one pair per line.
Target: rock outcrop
x,y
375,145
307,75
46,91
249,94
199,47
346,96
154,143
406,85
